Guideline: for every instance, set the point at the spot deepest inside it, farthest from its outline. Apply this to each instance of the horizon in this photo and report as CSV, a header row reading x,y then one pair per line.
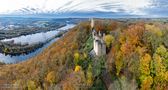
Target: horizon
x,y
63,17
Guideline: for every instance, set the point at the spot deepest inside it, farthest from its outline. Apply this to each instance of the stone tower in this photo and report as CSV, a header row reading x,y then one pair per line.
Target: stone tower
x,y
99,45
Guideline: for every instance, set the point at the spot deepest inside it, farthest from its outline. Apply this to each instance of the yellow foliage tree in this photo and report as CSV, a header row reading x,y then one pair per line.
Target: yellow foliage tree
x,y
146,79
119,62
154,29
108,40
78,68
89,75
76,58
85,55
31,85
144,64
51,77
160,80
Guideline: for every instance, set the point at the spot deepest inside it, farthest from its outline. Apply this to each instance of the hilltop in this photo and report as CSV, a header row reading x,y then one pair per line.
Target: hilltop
x,y
136,58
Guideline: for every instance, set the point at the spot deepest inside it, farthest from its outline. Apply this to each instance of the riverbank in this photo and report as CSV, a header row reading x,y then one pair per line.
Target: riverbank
x,y
10,48
7,34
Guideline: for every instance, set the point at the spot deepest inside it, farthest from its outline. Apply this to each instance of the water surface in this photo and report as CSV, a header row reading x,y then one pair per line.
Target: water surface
x,y
33,38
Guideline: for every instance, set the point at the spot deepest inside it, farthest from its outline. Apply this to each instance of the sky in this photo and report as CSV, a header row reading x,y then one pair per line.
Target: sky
x,y
146,8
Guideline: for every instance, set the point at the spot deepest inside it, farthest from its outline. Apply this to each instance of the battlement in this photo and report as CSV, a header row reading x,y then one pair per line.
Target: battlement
x,y
98,41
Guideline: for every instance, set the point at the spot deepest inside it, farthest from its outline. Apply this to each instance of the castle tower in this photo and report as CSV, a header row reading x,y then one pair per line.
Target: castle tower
x,y
92,23
99,45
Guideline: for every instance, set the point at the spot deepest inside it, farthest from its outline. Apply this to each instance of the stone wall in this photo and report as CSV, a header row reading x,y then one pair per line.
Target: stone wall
x,y
99,44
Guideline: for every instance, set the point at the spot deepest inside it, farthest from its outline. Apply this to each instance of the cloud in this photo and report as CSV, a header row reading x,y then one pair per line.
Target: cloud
x,y
130,7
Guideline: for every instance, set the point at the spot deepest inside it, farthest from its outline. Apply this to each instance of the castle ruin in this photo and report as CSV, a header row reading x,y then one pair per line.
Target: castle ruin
x,y
99,45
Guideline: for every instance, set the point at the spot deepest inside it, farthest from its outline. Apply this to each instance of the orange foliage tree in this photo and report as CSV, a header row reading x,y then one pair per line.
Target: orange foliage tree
x,y
99,26
131,37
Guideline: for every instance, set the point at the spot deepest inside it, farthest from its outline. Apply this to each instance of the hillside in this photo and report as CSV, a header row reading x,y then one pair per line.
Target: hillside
x,y
57,58
136,58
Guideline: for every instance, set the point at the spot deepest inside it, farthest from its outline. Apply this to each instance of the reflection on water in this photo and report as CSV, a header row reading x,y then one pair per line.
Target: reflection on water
x,y
38,37
34,38
68,26
14,59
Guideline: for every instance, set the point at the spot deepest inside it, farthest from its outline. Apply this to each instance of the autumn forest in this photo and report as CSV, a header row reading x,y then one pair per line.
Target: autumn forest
x,y
136,58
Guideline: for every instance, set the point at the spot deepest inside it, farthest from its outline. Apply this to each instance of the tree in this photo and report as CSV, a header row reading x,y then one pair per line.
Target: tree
x,y
112,25
163,53
146,83
89,75
152,37
145,78
165,37
154,29
131,38
108,40
31,85
78,68
145,64
119,62
76,58
159,79
52,77
99,26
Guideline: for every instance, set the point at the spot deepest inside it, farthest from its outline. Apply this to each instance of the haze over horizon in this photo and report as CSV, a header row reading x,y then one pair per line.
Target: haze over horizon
x,y
86,8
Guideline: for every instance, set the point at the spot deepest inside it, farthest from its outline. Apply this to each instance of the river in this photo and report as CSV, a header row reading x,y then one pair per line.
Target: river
x,y
31,39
